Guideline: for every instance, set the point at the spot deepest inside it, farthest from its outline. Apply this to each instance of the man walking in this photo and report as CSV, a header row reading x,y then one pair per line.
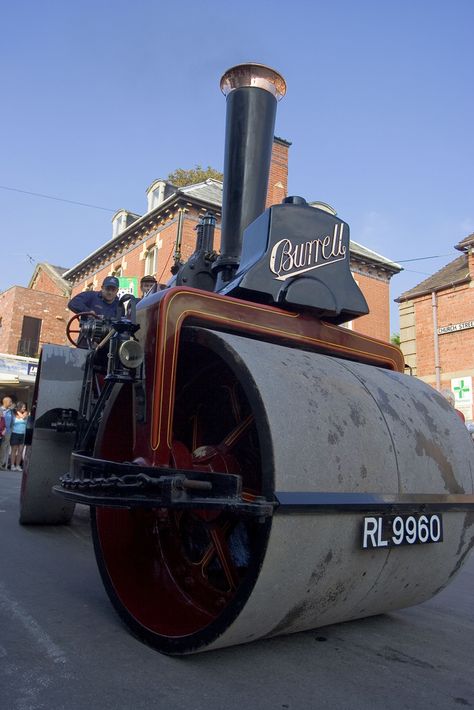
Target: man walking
x,y
7,412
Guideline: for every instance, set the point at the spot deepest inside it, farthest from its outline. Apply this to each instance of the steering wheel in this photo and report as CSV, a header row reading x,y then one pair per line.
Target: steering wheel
x,y
70,332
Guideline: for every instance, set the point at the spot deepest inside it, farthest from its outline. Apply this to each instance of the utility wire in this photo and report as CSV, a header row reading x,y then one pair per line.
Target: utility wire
x,y
412,271
108,209
58,199
421,258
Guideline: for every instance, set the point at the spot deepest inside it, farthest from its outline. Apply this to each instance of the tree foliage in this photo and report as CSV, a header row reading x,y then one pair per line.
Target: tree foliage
x,y
395,339
181,177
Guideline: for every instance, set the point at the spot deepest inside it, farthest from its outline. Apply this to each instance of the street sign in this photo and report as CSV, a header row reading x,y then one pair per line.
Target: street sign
x,y
455,327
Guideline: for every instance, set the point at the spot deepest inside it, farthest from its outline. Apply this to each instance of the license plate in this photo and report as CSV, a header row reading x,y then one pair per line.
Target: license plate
x,y
396,530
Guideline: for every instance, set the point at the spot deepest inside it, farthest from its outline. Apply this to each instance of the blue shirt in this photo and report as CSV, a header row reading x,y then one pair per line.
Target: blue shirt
x,y
93,301
19,425
8,416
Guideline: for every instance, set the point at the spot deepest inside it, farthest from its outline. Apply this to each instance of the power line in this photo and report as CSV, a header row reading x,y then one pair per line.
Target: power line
x,y
421,258
108,209
412,271
58,199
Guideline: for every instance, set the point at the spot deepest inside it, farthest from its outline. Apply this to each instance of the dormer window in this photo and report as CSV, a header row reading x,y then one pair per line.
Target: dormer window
x,y
121,220
155,194
118,223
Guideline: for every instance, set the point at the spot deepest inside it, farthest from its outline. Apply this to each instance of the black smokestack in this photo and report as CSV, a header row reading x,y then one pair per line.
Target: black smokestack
x,y
252,92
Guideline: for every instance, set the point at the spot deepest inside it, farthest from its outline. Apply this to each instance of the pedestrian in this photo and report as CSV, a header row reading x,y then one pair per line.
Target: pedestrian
x,y
104,303
7,414
3,428
148,284
17,439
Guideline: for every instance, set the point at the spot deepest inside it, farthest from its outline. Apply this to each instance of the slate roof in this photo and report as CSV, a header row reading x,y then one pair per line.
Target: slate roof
x,y
208,191
453,274
59,269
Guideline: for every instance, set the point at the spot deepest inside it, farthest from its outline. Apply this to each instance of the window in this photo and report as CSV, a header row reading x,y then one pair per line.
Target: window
x,y
28,345
90,287
117,272
119,222
150,262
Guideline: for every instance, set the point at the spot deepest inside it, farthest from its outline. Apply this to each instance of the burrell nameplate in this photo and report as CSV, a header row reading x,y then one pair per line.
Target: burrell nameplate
x,y
283,255
289,259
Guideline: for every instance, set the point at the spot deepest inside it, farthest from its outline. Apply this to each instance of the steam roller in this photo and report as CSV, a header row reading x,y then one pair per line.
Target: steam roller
x,y
254,468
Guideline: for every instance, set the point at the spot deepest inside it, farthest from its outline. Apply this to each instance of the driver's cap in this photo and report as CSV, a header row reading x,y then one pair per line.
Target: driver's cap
x,y
110,281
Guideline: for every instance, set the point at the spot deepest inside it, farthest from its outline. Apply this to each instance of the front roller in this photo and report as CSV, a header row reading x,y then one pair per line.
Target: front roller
x,y
361,462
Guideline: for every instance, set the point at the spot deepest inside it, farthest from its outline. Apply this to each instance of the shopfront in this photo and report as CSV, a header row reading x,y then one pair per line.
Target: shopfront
x,y
17,377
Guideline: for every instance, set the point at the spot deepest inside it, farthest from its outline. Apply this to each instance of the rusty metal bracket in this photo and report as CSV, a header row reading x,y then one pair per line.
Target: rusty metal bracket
x,y
94,481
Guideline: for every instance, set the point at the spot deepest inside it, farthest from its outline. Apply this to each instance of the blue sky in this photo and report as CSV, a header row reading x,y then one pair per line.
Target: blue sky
x,y
100,98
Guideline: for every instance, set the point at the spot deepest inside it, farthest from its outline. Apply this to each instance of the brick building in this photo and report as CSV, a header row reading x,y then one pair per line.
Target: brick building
x,y
165,234
437,327
30,317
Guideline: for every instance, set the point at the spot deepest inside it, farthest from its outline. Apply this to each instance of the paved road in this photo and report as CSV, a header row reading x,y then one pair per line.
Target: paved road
x,y
63,647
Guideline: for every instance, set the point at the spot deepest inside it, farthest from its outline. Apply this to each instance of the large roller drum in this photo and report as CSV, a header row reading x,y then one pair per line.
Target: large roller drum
x,y
331,442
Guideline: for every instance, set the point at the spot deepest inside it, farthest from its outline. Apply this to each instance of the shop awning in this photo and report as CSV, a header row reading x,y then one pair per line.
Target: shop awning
x,y
6,378
17,370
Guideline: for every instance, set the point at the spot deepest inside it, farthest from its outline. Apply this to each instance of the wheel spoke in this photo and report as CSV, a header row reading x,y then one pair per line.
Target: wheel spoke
x,y
234,436
234,401
211,550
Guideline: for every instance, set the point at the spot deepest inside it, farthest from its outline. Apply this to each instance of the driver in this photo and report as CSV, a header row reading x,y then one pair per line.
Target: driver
x,y
103,304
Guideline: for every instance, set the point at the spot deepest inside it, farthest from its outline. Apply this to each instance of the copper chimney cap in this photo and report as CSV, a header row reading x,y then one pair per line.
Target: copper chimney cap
x,y
258,75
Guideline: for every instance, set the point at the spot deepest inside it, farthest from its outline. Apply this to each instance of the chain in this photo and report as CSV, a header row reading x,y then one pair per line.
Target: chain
x,y
129,481
135,481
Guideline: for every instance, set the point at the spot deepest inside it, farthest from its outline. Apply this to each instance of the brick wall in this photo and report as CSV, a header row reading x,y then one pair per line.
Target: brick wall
x,y
470,262
278,178
44,283
132,260
17,302
377,322
455,349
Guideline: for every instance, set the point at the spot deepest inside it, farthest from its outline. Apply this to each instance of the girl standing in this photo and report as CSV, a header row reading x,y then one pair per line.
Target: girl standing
x,y
20,415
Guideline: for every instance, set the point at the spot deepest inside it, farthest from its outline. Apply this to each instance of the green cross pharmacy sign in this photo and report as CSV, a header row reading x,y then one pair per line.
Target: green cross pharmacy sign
x,y
461,387
463,390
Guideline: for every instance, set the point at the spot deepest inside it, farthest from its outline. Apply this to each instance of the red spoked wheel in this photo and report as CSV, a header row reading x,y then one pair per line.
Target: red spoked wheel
x,y
70,332
178,576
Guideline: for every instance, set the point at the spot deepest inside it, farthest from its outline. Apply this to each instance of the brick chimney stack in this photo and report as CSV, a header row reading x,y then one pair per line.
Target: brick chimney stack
x,y
278,179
